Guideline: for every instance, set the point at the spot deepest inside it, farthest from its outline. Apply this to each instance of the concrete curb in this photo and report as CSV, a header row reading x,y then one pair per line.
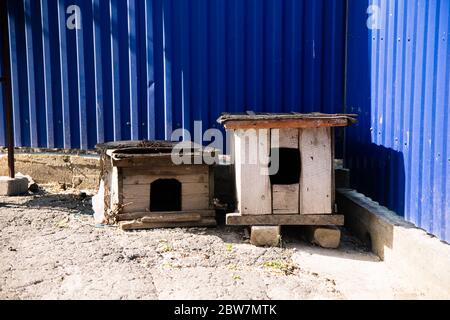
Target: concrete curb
x,y
81,171
423,258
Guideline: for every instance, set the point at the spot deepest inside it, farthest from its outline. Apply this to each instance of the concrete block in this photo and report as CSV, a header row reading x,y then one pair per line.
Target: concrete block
x,y
324,236
265,236
420,257
32,185
13,186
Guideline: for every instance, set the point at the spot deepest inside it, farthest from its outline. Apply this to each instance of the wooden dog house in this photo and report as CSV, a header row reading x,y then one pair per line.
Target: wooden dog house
x,y
143,188
301,192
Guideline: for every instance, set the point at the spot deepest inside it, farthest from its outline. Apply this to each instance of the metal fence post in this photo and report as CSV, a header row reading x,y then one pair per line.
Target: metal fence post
x,y
6,79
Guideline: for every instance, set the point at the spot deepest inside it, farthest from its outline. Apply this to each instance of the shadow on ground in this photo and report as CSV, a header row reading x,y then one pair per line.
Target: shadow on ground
x,y
69,203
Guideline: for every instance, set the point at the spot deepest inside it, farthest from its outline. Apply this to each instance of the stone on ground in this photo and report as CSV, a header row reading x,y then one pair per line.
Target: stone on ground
x,y
13,186
265,236
324,236
33,187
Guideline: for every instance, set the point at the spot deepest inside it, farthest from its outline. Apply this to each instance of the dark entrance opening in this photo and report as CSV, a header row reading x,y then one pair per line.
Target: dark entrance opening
x,y
289,166
165,195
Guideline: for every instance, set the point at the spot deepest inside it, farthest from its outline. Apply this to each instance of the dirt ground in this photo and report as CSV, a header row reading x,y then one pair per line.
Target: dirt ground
x,y
50,248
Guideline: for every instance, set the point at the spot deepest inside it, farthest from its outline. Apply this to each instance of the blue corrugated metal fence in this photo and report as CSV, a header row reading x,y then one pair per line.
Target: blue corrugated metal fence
x,y
399,83
140,69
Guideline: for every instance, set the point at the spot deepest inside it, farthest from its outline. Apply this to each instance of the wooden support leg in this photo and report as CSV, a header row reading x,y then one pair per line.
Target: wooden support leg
x,y
324,236
265,236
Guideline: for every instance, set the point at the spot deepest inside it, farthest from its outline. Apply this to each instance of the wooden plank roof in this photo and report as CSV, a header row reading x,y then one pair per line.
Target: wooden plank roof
x,y
284,120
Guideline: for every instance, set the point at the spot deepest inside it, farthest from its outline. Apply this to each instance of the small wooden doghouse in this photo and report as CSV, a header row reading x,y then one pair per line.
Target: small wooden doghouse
x,y
301,190
144,188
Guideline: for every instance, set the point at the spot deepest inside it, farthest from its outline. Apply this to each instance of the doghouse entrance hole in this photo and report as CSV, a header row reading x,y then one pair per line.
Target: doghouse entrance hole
x,y
165,195
289,166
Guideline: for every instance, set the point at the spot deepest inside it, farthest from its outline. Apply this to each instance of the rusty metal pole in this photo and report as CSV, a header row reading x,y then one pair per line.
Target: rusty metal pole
x,y
7,105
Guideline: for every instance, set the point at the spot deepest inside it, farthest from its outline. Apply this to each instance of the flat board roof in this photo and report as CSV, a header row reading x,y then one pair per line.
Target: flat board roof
x,y
284,120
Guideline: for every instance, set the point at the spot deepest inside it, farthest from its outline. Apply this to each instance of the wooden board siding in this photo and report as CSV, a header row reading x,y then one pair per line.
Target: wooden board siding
x,y
188,203
136,191
136,224
210,213
284,138
316,174
137,175
195,186
253,187
285,199
285,220
116,184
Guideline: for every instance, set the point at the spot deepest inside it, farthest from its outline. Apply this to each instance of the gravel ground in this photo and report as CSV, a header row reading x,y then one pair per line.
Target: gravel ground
x,y
50,248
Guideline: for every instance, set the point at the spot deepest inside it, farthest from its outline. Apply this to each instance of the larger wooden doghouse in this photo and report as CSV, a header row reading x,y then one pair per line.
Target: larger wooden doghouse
x,y
143,188
301,191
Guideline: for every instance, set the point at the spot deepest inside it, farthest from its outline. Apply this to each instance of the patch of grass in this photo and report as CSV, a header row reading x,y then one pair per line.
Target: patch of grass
x,y
232,267
64,223
229,247
167,248
279,265
163,248
275,264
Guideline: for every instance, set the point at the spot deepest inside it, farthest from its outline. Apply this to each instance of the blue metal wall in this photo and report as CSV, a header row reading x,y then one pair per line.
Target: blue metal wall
x,y
399,83
139,69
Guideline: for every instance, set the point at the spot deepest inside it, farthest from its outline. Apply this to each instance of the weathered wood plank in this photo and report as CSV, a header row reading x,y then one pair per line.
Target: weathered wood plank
x,y
147,179
115,186
285,199
174,170
198,201
139,215
171,217
140,191
284,138
316,173
286,123
194,188
161,160
134,205
287,220
134,225
252,149
107,176
120,184
333,173
136,191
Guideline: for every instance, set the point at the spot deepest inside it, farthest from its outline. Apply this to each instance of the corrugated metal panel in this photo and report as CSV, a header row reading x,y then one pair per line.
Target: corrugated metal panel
x,y
140,69
399,83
